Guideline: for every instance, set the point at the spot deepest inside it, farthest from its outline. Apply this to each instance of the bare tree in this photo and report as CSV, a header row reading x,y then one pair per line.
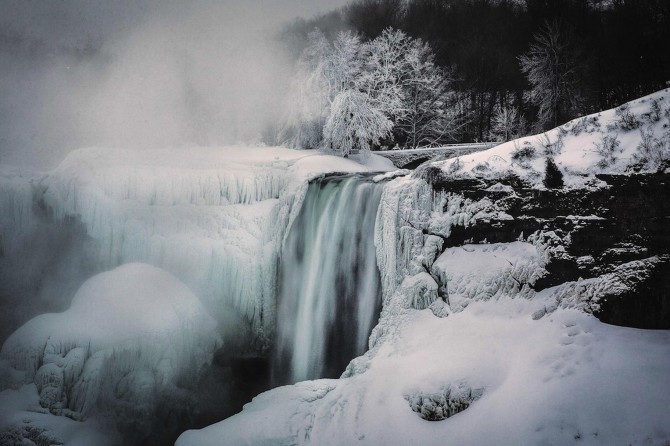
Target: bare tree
x,y
506,124
551,66
425,121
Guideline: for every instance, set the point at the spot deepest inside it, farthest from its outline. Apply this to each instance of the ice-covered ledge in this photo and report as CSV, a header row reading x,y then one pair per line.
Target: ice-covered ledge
x,y
213,217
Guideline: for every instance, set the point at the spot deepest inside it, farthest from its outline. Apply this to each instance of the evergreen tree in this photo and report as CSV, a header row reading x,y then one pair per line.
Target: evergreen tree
x,y
553,178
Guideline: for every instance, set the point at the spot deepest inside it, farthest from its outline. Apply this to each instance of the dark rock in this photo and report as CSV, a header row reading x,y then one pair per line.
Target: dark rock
x,y
646,301
617,220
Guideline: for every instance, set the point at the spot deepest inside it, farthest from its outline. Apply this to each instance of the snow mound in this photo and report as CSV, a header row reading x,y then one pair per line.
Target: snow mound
x,y
632,137
128,336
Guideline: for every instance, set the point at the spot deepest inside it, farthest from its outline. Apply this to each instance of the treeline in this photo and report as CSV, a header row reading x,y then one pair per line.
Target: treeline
x,y
513,67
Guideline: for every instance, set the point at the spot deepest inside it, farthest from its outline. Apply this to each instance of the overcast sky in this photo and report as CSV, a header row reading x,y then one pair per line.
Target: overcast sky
x,y
138,73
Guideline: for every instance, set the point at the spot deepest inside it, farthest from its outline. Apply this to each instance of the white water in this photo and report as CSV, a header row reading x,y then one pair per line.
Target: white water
x,y
330,289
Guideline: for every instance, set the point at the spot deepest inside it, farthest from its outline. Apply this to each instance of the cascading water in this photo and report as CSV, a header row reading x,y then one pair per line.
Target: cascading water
x,y
330,286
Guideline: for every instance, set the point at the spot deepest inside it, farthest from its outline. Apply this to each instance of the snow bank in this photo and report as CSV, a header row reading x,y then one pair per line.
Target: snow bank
x,y
633,137
128,336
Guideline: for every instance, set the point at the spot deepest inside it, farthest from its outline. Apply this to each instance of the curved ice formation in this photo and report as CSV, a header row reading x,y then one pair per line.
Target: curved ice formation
x,y
127,338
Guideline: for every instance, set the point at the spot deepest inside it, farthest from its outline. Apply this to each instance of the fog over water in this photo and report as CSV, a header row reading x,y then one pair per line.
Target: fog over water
x,y
144,73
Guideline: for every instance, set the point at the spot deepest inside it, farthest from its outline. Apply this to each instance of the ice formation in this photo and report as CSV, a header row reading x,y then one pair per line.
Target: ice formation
x,y
213,217
127,338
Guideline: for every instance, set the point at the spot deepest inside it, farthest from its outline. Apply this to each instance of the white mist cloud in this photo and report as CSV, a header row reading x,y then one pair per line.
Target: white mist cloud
x,y
139,73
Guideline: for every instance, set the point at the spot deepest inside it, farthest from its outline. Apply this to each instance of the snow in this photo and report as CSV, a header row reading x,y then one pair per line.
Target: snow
x,y
579,146
560,380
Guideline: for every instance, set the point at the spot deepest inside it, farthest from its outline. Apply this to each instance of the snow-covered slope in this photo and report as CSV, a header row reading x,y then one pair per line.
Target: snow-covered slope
x,y
568,379
633,137
468,350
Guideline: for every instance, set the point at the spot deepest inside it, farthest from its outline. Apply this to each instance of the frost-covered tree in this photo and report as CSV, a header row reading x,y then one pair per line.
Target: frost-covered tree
x,y
342,84
385,71
344,63
306,108
324,70
354,123
402,81
551,67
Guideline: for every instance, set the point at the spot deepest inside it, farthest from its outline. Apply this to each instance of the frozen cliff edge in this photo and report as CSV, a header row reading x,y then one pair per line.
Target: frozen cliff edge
x,y
212,219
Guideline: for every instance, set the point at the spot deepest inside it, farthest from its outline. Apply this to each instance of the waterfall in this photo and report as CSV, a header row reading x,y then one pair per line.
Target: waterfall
x,y
330,286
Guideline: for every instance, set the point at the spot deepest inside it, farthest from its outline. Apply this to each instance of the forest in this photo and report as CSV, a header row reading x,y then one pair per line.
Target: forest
x,y
383,74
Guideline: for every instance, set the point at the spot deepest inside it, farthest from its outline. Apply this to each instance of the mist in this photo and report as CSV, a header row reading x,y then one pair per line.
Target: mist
x,y
140,74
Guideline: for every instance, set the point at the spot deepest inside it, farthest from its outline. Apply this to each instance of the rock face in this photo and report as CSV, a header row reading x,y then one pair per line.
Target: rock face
x,y
616,227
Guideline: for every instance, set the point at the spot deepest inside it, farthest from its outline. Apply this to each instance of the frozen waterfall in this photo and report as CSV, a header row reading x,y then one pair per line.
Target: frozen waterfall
x,y
330,286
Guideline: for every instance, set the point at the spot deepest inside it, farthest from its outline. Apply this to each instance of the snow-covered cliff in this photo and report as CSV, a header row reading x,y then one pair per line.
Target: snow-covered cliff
x,y
491,281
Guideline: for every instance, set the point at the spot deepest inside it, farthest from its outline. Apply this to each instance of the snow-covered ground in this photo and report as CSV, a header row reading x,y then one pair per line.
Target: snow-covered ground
x,y
466,351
